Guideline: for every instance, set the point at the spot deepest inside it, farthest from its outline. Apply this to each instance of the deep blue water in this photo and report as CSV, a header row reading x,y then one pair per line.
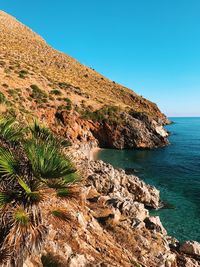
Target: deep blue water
x,y
175,171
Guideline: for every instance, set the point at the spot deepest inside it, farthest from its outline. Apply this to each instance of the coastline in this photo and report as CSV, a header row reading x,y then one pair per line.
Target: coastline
x,y
93,153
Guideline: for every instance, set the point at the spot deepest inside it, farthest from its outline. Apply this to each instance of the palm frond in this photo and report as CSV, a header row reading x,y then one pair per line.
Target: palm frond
x,y
63,193
5,198
37,237
67,193
30,197
25,236
10,129
54,183
21,217
4,255
42,133
61,214
9,166
47,161
71,178
24,185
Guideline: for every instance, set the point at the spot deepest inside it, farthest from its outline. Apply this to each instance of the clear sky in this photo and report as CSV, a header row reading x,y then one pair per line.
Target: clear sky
x,y
151,46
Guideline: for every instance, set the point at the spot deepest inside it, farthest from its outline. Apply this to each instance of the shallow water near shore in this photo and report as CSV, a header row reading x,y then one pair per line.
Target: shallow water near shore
x,y
175,171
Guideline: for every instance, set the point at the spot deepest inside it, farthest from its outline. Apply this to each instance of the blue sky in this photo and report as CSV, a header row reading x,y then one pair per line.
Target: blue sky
x,y
151,46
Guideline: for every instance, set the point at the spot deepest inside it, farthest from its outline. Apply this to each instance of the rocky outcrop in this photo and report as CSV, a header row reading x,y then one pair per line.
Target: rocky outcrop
x,y
191,248
109,224
115,183
134,130
154,223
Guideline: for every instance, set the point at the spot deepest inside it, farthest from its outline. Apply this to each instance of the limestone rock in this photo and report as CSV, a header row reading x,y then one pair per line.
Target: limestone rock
x,y
191,248
154,223
78,260
116,184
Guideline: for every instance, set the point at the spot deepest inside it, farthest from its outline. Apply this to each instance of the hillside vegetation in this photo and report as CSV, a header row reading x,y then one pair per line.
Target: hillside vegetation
x,y
26,60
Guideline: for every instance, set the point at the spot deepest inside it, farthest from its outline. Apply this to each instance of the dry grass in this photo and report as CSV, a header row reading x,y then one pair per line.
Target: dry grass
x,y
26,59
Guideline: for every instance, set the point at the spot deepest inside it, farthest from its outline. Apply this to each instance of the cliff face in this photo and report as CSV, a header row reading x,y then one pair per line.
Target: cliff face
x,y
126,131
38,81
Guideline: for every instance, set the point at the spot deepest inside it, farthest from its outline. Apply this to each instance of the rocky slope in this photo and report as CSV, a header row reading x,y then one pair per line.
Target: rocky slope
x,y
109,225
70,98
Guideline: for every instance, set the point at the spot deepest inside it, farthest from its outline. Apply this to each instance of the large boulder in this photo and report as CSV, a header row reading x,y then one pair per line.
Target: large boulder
x,y
191,248
154,223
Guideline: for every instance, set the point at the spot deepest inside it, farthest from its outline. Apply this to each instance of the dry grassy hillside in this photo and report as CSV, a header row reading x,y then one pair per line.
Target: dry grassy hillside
x,y
26,59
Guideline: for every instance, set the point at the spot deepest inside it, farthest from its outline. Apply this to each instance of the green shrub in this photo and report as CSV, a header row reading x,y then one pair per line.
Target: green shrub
x,y
23,74
32,160
37,93
106,113
69,104
12,92
56,92
5,85
2,98
64,85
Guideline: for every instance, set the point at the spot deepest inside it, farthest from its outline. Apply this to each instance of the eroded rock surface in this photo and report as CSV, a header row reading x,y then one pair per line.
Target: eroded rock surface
x,y
135,130
191,248
109,225
118,185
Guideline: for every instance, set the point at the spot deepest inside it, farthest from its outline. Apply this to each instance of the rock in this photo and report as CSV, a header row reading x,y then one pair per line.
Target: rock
x,y
129,208
116,184
134,130
129,171
154,223
191,248
78,260
184,261
167,259
173,243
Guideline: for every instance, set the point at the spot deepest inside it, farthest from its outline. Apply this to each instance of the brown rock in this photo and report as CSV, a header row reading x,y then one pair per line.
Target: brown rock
x,y
191,248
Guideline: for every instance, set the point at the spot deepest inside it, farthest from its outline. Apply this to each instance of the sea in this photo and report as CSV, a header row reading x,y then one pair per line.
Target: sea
x,y
175,171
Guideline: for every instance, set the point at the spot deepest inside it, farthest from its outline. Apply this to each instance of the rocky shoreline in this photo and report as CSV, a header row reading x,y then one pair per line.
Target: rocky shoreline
x,y
110,223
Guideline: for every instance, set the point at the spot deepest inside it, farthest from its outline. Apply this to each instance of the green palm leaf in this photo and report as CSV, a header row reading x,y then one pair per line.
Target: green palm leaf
x,y
21,217
61,214
9,166
63,193
44,134
10,129
31,197
47,161
5,198
40,132
71,178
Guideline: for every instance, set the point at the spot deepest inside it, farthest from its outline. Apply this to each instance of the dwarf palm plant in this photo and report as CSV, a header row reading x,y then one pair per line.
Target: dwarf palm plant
x,y
10,130
27,170
42,133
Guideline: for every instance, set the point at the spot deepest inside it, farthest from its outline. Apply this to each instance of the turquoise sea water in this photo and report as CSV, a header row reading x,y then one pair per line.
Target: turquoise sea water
x,y
175,171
